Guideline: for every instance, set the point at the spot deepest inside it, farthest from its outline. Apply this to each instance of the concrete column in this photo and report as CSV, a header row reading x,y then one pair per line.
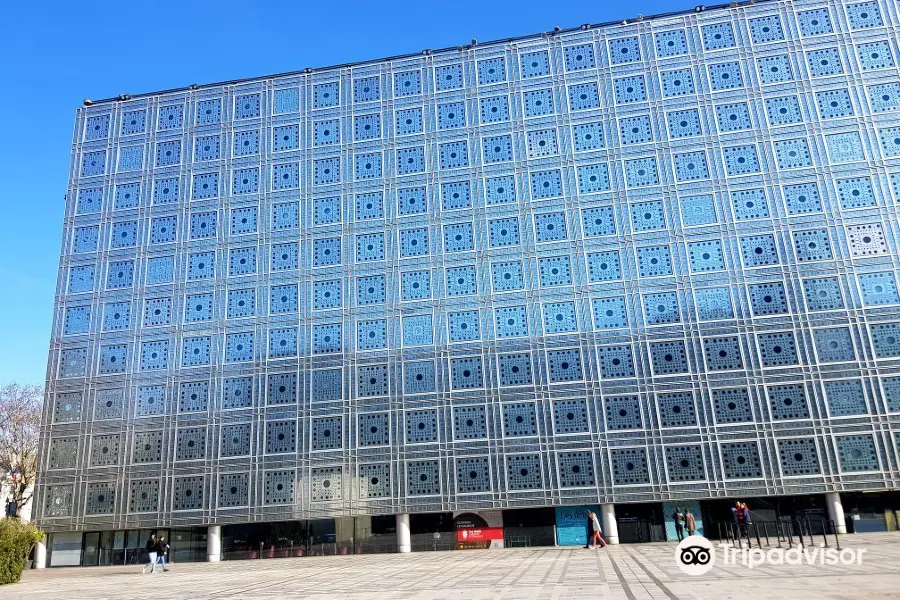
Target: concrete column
x,y
403,540
40,554
214,543
836,511
610,527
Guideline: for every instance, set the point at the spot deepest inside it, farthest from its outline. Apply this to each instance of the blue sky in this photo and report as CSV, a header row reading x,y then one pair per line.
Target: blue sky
x,y
56,54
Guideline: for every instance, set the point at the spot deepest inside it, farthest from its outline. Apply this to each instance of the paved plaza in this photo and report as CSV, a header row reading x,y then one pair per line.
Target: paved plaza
x,y
626,572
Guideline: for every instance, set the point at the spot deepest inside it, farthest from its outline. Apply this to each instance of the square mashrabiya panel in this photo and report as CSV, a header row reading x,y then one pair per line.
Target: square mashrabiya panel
x,y
867,240
423,478
584,96
835,104
669,358
732,406
575,469
676,409
759,251
515,369
570,416
616,361
101,499
235,440
845,398
623,412
661,308
519,420
565,365
328,132
325,484
524,472
281,437
691,166
706,256
143,495
469,422
733,117
466,373
372,380
534,64
188,493
723,353
741,460
788,402
815,22
879,288
671,43
237,392
560,317
374,480
654,261
234,490
278,486
373,429
473,475
685,463
857,453
834,344
629,466
421,426
768,298
778,349
326,95
802,198
717,36
798,457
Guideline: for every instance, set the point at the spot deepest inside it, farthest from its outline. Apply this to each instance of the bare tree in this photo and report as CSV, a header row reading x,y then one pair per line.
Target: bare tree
x,y
20,423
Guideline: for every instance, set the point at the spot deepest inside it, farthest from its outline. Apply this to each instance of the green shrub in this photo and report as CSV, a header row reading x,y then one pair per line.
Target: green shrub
x,y
16,540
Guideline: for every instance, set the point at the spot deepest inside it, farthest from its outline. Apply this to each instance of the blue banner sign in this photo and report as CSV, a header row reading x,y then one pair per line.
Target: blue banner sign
x,y
572,524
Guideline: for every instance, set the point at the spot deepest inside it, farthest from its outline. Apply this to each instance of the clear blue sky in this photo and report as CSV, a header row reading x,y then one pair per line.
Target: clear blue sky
x,y
54,54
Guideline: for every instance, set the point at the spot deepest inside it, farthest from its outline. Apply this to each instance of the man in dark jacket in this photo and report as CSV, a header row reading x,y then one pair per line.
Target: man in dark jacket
x,y
162,549
678,517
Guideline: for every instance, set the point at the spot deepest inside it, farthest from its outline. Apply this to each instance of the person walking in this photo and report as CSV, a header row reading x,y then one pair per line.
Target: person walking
x,y
678,517
151,554
596,532
745,512
690,523
162,549
589,529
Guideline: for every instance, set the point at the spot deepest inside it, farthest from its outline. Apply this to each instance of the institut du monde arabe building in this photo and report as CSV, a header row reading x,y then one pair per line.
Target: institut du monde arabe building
x,y
459,297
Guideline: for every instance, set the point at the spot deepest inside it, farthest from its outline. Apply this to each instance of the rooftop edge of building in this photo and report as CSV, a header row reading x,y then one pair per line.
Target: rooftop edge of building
x,y
556,31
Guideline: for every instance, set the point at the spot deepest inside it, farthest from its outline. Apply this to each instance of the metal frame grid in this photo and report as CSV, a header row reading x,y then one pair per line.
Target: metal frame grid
x,y
646,261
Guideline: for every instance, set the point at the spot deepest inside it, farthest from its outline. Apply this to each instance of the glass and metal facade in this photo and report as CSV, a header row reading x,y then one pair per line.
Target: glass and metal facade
x,y
642,261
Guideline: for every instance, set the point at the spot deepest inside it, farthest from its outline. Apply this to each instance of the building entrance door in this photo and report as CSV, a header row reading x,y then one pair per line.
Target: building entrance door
x,y
90,556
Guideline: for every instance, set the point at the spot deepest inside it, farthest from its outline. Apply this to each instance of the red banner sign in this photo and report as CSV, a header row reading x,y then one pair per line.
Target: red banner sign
x,y
482,534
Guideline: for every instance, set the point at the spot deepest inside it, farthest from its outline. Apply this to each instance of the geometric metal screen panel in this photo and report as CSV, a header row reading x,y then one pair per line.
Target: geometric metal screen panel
x,y
355,289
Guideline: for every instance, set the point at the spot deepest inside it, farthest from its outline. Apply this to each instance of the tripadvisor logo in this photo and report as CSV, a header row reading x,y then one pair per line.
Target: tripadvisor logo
x,y
695,555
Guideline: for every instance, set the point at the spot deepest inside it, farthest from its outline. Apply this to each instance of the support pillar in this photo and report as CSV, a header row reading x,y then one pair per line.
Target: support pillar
x,y
610,527
403,539
40,554
214,543
836,511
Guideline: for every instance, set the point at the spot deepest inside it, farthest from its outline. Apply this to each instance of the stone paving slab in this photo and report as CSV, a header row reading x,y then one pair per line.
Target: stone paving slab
x,y
627,572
